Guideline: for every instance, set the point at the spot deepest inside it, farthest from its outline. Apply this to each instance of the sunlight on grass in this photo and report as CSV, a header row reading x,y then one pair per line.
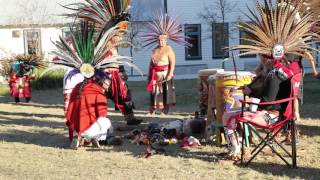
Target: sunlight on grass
x,y
34,143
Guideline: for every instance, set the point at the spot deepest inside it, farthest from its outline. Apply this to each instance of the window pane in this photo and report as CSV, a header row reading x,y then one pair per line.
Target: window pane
x,y
194,50
220,39
193,32
32,42
245,35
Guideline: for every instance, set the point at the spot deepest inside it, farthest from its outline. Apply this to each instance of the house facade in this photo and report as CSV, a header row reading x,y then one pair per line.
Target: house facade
x,y
32,25
206,35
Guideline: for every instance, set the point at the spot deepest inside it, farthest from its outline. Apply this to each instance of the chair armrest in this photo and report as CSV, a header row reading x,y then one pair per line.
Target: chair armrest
x,y
268,103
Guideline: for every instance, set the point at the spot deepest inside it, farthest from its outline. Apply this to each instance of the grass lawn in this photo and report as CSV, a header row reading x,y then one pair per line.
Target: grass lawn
x,y
34,144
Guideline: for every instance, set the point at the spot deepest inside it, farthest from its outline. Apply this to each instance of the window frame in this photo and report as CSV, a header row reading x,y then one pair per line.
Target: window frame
x,y
227,42
240,42
38,41
199,41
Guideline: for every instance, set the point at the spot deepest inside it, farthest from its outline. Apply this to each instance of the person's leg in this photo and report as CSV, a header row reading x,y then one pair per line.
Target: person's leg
x,y
16,99
128,110
230,124
271,88
98,131
28,99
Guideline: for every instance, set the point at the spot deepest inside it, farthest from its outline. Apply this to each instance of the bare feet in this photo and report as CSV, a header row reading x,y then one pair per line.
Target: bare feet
x,y
151,113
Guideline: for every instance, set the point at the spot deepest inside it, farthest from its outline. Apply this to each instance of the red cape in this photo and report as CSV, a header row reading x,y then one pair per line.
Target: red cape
x,y
84,110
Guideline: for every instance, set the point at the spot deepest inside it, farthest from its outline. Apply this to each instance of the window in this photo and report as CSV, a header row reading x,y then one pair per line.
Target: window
x,y
220,40
32,41
245,35
193,32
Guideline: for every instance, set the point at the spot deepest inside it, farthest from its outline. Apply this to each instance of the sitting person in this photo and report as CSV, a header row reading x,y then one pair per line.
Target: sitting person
x,y
87,111
275,87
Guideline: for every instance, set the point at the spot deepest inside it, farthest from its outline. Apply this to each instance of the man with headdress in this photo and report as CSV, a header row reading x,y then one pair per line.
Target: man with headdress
x,y
87,111
21,73
88,102
272,39
163,61
106,15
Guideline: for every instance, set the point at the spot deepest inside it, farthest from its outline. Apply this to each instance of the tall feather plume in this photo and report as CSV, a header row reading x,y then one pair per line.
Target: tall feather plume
x,y
278,24
163,24
33,60
104,13
314,7
82,50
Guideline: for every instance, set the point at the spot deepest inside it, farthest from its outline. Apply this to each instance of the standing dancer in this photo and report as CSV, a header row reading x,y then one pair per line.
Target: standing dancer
x,y
21,74
163,61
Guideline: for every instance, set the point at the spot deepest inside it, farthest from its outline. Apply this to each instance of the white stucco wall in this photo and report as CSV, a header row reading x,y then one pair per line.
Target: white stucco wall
x,y
16,45
188,11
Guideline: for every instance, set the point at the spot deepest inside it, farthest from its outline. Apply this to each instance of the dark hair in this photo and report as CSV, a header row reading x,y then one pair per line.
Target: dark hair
x,y
100,76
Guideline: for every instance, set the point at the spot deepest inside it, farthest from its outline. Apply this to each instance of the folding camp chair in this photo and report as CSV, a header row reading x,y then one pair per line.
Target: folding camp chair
x,y
288,120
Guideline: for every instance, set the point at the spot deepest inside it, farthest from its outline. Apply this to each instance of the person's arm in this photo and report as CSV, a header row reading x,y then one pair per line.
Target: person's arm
x,y
172,63
313,64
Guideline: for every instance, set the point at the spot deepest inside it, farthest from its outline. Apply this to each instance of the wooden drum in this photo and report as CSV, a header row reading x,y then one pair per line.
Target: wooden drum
x,y
203,88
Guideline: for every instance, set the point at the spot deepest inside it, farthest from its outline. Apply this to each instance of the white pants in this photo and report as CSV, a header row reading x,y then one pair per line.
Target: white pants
x,y
99,130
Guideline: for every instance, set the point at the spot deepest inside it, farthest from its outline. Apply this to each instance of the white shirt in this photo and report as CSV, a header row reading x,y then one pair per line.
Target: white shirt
x,y
69,84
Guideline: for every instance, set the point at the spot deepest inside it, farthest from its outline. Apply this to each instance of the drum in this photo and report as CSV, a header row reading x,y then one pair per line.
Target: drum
x,y
211,113
203,88
228,94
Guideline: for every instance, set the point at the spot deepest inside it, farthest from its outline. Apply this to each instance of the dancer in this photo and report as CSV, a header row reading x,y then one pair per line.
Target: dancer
x,y
86,99
163,61
107,14
21,74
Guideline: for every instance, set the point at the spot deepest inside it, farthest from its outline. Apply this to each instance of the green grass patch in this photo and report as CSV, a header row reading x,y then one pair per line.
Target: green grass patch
x,y
48,81
4,89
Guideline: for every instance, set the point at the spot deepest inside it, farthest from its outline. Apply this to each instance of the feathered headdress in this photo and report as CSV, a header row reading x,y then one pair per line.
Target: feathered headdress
x,y
276,31
104,13
164,24
314,7
84,56
32,60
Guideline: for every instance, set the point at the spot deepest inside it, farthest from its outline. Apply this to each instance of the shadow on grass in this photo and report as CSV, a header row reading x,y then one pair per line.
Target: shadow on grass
x,y
34,103
29,122
41,138
27,115
169,150
283,170
309,130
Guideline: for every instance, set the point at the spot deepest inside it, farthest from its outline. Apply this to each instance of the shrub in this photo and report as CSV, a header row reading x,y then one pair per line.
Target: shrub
x,y
48,81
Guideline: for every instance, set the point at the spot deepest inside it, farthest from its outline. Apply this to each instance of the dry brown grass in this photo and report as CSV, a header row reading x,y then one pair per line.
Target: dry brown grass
x,y
34,145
